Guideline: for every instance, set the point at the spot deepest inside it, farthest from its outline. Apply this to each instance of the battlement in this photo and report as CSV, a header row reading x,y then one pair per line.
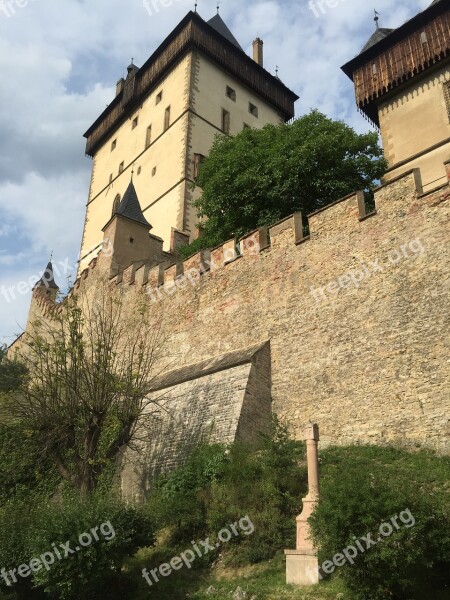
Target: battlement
x,y
353,306
342,218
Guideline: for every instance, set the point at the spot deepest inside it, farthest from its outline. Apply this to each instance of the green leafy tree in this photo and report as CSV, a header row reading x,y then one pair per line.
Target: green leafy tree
x,y
262,176
92,367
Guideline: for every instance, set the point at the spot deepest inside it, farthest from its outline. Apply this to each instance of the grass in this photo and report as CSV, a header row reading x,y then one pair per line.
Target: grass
x,y
265,581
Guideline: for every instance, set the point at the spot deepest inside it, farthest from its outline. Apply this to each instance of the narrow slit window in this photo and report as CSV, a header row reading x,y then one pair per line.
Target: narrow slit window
x,y
116,204
121,167
167,119
159,97
148,137
199,159
374,69
113,145
135,123
226,121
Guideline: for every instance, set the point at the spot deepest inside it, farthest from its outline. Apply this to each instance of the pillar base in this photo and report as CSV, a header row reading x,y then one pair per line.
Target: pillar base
x,y
302,567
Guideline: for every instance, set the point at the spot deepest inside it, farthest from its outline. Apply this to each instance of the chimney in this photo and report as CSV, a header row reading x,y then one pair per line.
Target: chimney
x,y
258,55
119,86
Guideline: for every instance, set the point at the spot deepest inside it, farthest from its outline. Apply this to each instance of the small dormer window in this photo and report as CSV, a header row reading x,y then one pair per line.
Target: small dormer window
x,y
253,110
231,94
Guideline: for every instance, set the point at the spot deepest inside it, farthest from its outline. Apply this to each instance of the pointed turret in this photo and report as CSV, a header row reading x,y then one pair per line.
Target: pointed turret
x,y
127,237
130,207
47,280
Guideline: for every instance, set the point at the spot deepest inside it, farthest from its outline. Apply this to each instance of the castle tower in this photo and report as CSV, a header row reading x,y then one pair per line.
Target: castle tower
x,y
45,292
164,119
402,85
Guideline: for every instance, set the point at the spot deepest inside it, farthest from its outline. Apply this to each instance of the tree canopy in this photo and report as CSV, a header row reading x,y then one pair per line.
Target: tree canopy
x,y
91,370
263,175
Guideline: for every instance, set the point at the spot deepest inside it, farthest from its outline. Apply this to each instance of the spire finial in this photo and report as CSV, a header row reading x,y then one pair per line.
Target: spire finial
x,y
196,4
276,70
376,18
218,6
132,60
132,173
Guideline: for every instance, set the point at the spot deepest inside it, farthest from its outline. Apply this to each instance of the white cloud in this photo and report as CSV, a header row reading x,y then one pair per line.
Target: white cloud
x,y
59,64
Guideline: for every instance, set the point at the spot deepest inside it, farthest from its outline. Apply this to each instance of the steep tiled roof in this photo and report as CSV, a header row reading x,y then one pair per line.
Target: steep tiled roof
x,y
130,206
221,27
48,278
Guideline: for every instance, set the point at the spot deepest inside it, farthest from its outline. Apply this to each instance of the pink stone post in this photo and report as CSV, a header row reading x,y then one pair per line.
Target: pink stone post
x,y
302,566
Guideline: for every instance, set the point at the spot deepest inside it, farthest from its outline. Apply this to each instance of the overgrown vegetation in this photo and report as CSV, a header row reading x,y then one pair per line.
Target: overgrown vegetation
x,y
263,175
218,486
361,489
91,369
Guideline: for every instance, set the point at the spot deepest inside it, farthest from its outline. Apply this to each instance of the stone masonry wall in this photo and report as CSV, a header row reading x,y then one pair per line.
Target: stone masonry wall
x,y
357,315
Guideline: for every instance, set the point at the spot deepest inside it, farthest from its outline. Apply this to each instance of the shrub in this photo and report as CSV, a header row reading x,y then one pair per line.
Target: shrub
x,y
179,501
217,487
362,488
266,485
83,569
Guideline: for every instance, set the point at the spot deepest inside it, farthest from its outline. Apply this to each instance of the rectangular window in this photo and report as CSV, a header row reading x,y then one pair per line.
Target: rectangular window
x,y
135,123
374,69
159,97
226,121
231,94
252,109
447,97
199,159
113,145
148,137
423,37
167,119
121,167
110,178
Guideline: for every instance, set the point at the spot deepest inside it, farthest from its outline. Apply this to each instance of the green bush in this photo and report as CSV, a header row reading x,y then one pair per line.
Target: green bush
x,y
267,486
180,500
363,488
81,569
217,487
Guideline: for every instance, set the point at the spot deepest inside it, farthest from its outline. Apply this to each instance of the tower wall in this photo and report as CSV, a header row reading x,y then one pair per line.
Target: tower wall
x,y
416,119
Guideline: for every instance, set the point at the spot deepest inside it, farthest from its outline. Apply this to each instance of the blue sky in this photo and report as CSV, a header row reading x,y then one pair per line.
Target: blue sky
x,y
59,63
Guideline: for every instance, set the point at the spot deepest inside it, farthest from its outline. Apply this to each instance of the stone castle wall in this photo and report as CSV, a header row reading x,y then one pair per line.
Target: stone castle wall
x,y
356,315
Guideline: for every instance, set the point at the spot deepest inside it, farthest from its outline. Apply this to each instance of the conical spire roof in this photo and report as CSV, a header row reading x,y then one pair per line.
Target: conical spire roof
x,y
379,34
130,206
48,279
221,27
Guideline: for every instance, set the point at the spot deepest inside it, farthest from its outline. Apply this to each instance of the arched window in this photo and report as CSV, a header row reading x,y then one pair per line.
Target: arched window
x,y
115,204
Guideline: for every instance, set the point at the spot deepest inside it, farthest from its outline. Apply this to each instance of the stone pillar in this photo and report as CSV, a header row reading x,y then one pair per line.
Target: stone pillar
x,y
302,564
